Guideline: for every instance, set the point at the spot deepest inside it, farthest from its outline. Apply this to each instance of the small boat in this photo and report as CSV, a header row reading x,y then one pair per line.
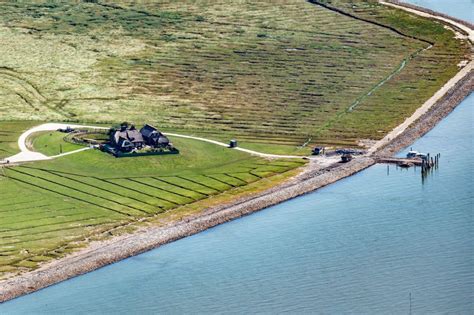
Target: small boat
x,y
415,154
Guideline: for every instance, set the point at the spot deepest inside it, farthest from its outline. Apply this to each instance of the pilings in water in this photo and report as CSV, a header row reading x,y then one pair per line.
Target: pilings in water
x,y
429,164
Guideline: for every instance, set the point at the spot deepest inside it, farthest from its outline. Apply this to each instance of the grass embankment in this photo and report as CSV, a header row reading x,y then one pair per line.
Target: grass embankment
x,y
271,75
424,74
50,208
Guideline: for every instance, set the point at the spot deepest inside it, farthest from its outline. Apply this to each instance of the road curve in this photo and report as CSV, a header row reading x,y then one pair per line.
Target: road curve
x,y
26,155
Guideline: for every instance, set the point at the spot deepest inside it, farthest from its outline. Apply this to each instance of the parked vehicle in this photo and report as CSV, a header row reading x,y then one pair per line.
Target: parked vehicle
x,y
346,157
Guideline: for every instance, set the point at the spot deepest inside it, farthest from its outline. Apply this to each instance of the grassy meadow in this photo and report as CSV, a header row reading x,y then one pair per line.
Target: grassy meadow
x,y
9,133
50,208
272,74
279,76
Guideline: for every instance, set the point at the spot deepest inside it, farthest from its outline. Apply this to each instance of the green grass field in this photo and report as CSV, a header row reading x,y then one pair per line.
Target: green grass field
x,y
9,133
279,76
272,74
50,208
51,143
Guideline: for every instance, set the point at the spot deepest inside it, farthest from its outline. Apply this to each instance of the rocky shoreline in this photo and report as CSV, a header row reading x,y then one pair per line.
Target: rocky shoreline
x,y
312,178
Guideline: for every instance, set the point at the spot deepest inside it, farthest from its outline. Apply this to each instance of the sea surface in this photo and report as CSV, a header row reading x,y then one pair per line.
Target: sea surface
x,y
461,9
363,245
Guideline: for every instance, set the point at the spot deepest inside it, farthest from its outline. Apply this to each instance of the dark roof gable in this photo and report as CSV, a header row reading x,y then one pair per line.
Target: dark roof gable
x,y
148,130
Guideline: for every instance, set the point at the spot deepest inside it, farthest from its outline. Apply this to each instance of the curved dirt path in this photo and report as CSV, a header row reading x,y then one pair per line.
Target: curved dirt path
x,y
26,155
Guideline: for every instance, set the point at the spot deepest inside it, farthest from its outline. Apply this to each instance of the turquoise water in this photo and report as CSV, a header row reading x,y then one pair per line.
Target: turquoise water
x,y
359,246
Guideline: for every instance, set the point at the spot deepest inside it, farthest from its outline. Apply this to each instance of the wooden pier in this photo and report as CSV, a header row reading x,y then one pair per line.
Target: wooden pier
x,y
426,163
401,161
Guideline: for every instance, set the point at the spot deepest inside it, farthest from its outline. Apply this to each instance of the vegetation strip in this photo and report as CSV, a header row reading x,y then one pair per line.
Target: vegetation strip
x,y
161,188
77,190
68,196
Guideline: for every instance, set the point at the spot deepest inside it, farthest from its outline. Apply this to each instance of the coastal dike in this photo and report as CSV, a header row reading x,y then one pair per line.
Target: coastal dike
x,y
312,178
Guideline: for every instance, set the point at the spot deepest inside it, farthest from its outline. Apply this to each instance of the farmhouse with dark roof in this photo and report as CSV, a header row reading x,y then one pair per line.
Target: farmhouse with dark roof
x,y
127,138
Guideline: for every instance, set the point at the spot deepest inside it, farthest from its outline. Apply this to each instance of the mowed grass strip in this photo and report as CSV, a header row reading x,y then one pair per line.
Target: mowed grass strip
x,y
245,177
227,180
45,237
9,133
198,183
184,193
78,186
12,206
167,200
50,214
48,239
26,213
57,188
73,219
149,203
112,189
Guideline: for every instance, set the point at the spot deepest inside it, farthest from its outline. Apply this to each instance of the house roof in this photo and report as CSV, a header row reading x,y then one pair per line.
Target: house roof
x,y
130,135
163,140
134,135
147,130
120,134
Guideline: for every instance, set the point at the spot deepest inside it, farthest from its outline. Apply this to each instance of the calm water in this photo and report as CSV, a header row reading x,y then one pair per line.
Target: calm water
x,y
359,246
462,9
